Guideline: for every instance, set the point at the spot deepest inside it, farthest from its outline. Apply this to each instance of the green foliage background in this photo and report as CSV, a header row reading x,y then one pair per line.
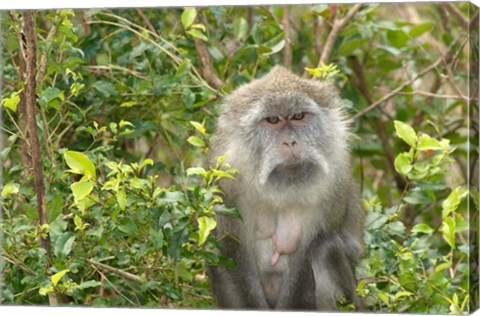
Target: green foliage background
x,y
125,110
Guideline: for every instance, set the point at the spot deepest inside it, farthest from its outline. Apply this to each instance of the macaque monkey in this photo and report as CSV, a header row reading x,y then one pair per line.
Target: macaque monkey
x,y
301,231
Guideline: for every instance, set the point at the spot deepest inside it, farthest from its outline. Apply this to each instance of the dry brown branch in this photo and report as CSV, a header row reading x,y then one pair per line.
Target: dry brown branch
x,y
317,44
207,71
30,103
147,21
338,25
120,272
86,26
287,50
457,15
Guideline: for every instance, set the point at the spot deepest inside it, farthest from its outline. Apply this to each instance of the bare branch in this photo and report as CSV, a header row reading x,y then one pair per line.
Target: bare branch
x,y
207,71
121,273
338,25
397,90
287,50
147,21
457,15
30,102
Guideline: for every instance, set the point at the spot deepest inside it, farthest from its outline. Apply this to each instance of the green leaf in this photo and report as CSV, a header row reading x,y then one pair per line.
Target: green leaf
x,y
54,208
81,189
198,34
406,133
106,89
402,294
51,97
188,16
146,162
193,171
448,231
450,204
422,228
77,220
402,164
12,101
57,276
89,284
426,142
10,188
420,29
121,199
45,290
188,98
443,266
384,297
195,141
276,48
205,226
199,26
240,28
199,127
156,236
129,104
125,123
79,164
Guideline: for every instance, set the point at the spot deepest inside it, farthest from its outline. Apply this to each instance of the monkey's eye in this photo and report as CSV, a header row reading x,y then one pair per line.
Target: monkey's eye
x,y
298,116
272,119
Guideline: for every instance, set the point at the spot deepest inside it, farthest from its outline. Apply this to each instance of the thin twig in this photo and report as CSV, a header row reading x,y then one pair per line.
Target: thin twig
x,y
433,95
120,272
338,25
457,15
147,21
397,90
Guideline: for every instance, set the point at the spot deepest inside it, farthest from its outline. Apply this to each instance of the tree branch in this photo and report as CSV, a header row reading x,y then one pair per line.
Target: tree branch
x,y
457,15
287,50
147,21
206,70
397,90
121,273
30,103
338,25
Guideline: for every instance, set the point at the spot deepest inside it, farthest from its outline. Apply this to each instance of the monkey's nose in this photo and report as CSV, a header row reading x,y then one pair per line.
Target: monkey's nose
x,y
290,144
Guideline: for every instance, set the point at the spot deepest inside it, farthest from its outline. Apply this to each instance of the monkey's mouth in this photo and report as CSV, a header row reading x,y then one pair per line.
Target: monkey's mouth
x,y
293,173
292,167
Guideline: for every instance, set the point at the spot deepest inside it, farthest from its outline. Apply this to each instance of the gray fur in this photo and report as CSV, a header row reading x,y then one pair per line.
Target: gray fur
x,y
317,211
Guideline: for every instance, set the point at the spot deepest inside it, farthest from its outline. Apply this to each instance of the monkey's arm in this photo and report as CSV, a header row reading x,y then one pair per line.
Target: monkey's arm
x,y
237,288
333,258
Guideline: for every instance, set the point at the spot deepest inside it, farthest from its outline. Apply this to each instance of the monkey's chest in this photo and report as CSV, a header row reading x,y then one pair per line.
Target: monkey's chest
x,y
276,237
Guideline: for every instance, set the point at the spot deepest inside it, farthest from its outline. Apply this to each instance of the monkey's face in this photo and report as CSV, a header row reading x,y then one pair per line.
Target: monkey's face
x,y
290,141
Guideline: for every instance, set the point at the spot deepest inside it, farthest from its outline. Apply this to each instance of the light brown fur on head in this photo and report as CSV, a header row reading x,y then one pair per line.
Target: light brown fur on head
x,y
279,80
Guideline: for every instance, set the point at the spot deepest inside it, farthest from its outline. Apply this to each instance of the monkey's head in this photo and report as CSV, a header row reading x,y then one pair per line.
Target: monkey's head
x,y
285,134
